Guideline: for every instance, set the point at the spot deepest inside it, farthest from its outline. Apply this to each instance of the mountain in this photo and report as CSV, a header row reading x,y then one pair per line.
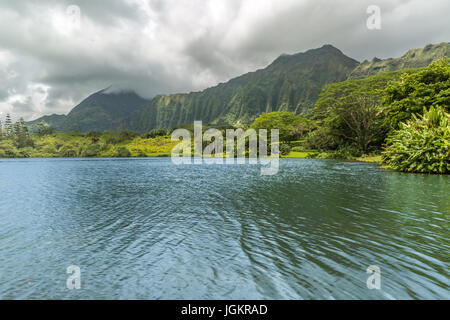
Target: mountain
x,y
291,82
414,58
55,121
102,111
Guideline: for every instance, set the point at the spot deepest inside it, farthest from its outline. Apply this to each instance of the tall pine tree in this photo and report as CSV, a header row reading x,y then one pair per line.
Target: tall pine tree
x,y
21,133
8,126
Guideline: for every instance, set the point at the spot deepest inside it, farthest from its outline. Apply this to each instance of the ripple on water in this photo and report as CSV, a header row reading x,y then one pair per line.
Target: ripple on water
x,y
144,228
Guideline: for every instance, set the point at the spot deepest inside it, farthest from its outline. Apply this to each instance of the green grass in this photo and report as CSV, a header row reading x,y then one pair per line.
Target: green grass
x,y
375,159
296,154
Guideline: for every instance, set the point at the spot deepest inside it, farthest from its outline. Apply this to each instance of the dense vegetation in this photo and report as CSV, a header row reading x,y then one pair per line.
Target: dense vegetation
x,y
422,144
46,143
349,115
426,88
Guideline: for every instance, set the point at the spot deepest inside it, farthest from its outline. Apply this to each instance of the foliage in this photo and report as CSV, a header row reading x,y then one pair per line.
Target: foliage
x,y
285,149
349,114
17,133
422,144
372,86
156,133
91,150
43,130
93,144
123,152
322,139
426,88
290,126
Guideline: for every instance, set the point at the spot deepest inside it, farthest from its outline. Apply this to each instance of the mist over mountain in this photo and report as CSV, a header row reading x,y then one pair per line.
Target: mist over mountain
x,y
105,110
289,83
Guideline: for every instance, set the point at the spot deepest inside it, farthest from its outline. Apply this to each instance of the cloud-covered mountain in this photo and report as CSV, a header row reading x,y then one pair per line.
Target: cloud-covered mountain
x,y
102,111
290,83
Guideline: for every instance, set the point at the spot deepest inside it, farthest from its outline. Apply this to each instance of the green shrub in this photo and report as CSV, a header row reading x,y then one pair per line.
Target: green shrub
x,y
156,133
321,139
285,149
298,149
122,152
346,153
422,144
430,87
91,150
68,151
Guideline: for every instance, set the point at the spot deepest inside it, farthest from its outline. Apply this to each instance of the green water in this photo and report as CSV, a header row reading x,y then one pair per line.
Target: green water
x,y
147,229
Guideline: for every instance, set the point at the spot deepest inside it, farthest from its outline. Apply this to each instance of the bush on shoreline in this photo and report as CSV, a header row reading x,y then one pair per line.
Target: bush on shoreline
x,y
422,144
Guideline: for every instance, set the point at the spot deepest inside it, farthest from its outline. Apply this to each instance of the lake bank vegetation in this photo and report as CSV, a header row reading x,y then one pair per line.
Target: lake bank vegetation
x,y
399,118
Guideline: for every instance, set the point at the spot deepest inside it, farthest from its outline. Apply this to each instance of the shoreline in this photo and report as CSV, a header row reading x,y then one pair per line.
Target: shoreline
x,y
374,159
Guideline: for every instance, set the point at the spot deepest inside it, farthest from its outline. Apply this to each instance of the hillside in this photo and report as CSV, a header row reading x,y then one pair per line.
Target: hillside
x,y
101,111
291,82
414,58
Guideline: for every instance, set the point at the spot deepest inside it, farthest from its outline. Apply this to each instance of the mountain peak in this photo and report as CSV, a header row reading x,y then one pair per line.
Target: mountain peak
x,y
325,49
116,89
329,47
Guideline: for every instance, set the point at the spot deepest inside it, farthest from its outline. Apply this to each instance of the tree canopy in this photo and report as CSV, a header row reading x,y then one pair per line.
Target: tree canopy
x,y
290,126
414,92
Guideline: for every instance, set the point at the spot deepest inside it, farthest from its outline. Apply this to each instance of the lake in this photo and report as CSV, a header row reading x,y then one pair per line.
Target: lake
x,y
147,229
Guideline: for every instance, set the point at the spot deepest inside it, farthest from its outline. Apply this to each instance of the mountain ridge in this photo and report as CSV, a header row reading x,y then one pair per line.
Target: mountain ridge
x,y
413,58
291,82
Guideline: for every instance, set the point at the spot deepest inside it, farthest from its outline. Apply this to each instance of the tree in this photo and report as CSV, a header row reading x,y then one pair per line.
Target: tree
x,y
421,144
290,126
359,120
43,130
373,86
414,92
122,151
351,113
8,126
22,136
156,133
91,150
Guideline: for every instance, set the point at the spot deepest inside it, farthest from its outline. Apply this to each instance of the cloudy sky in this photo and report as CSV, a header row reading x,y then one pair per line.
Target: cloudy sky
x,y
55,53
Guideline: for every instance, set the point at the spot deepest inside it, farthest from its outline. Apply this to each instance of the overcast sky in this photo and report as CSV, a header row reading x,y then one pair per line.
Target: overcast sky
x,y
55,53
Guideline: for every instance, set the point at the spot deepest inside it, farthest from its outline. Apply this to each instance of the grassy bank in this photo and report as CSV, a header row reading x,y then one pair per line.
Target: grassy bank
x,y
125,144
329,155
88,145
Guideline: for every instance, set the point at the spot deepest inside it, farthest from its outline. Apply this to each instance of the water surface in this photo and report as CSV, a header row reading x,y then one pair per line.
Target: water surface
x,y
147,229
